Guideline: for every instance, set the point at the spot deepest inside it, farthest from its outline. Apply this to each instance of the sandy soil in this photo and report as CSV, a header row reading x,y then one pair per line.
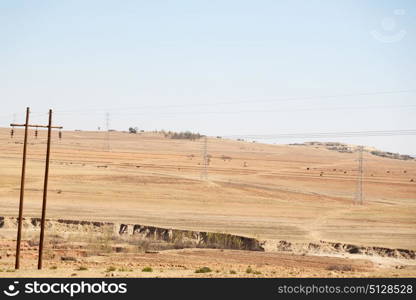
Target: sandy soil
x,y
185,263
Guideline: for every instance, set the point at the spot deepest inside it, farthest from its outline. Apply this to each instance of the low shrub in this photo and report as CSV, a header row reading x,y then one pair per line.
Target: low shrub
x,y
147,269
203,270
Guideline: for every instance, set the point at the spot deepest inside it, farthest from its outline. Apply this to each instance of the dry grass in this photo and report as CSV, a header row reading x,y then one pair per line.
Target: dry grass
x,y
150,179
344,268
203,270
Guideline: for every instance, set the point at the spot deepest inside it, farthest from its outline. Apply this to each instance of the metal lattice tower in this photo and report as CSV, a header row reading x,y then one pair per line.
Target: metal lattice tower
x,y
204,171
359,189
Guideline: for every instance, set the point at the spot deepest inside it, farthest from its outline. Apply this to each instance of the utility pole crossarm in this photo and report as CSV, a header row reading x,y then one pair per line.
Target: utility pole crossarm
x,y
36,126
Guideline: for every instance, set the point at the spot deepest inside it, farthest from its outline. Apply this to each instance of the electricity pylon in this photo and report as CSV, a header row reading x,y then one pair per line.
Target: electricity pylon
x,y
359,189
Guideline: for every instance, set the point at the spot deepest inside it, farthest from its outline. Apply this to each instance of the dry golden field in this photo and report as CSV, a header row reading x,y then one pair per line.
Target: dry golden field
x,y
256,190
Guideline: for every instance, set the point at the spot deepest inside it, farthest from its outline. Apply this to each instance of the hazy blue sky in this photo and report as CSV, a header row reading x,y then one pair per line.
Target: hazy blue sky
x,y
217,67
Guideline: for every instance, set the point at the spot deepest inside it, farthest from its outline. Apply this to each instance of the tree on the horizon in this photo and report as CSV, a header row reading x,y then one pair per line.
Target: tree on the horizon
x,y
133,130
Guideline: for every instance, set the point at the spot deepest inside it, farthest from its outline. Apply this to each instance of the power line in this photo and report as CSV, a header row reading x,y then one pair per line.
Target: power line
x,y
129,108
327,134
251,111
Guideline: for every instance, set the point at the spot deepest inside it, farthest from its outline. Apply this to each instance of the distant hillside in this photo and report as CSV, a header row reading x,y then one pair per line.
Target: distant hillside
x,y
392,155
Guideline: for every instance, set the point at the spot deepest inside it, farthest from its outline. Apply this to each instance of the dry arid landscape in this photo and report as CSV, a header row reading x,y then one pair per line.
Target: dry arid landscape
x,y
141,209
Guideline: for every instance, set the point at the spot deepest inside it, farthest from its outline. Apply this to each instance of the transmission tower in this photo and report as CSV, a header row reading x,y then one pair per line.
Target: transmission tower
x,y
107,134
359,190
204,171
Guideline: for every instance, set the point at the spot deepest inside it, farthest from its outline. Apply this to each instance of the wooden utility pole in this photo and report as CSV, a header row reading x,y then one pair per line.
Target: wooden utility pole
x,y
45,192
22,192
22,186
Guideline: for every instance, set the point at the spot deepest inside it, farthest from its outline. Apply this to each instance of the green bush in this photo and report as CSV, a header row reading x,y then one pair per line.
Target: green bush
x,y
111,269
147,269
203,270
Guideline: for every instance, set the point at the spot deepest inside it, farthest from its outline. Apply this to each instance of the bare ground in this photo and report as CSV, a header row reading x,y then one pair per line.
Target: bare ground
x,y
264,191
